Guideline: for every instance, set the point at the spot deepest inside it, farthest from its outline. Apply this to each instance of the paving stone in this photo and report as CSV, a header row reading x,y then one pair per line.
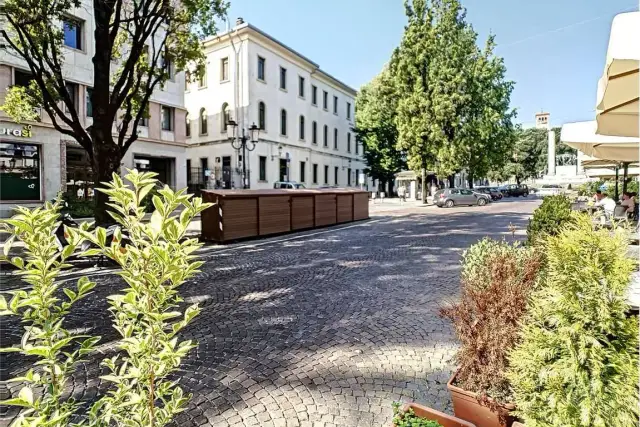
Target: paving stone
x,y
318,330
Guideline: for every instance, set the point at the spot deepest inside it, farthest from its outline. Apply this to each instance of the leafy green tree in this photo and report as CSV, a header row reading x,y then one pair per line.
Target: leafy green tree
x,y
376,130
577,362
549,218
138,46
528,158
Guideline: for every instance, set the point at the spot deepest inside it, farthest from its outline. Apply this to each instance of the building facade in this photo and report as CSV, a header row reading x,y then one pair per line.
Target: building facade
x,y
304,115
37,161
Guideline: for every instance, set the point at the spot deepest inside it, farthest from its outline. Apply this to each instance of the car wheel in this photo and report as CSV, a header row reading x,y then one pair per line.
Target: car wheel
x,y
526,194
482,201
449,203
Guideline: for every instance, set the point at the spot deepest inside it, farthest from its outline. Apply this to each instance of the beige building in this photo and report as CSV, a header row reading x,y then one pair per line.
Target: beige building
x,y
37,161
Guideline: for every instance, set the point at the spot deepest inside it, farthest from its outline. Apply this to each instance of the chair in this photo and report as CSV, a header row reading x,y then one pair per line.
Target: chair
x,y
619,213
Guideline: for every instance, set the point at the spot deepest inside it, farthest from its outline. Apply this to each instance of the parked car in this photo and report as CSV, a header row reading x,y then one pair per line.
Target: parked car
x,y
491,191
450,197
288,185
550,190
515,190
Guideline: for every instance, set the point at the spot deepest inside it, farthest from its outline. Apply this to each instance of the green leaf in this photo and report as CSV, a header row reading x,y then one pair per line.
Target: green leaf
x,y
18,262
26,395
7,246
70,294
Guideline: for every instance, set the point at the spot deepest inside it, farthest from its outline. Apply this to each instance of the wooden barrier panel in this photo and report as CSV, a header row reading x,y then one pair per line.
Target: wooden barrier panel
x,y
274,214
302,212
240,214
344,212
325,209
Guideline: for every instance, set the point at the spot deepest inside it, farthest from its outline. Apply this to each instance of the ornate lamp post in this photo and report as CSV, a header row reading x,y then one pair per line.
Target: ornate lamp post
x,y
246,143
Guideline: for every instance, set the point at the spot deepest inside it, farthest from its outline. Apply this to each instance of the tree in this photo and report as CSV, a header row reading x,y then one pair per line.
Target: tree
x,y
453,110
376,130
138,45
529,157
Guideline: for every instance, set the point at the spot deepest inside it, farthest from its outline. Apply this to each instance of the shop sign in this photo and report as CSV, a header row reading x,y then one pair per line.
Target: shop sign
x,y
25,132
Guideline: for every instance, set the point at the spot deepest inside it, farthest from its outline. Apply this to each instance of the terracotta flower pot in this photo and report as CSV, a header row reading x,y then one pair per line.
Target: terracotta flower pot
x,y
431,414
467,406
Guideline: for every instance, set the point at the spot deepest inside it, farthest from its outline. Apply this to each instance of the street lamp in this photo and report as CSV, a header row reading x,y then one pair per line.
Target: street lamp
x,y
246,143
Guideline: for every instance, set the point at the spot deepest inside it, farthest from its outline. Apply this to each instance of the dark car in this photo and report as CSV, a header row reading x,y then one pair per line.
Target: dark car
x,y
491,191
450,197
515,190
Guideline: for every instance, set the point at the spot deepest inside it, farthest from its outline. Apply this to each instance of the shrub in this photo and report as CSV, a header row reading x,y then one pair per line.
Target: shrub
x,y
577,363
410,419
43,310
497,280
79,208
549,218
156,262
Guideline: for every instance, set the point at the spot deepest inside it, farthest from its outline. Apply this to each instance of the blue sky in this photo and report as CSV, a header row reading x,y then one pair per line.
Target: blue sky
x,y
554,50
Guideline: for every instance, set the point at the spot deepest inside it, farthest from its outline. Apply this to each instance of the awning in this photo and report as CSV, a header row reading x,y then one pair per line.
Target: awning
x,y
582,136
603,163
619,88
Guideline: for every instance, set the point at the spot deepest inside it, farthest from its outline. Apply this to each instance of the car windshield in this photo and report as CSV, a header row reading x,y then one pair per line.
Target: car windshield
x,y
299,185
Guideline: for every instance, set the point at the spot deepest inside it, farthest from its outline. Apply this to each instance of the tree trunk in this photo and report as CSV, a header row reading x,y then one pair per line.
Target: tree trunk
x,y
452,181
106,161
390,193
470,179
518,180
424,186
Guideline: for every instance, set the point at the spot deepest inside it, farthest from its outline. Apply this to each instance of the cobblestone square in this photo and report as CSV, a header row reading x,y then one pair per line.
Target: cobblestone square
x,y
323,328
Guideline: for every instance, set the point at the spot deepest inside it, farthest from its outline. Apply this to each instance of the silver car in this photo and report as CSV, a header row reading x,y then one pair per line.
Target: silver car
x,y
450,197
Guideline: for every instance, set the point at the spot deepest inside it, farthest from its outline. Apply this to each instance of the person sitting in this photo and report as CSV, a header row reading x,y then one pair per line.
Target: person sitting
x,y
607,203
598,196
628,202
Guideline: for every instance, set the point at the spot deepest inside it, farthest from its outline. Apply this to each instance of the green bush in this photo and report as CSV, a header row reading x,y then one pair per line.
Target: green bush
x,y
79,208
496,282
589,188
549,218
577,363
410,419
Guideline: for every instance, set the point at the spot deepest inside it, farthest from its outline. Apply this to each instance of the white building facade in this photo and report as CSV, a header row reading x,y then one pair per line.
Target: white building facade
x,y
305,117
37,161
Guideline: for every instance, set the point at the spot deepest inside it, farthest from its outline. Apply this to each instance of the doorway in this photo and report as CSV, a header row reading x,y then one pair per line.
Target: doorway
x,y
283,170
226,172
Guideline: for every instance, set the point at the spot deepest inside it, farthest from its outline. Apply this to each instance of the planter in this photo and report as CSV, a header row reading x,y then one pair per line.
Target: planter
x,y
467,406
431,414
517,424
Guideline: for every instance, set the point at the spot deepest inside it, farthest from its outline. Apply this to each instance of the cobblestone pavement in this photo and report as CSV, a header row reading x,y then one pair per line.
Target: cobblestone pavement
x,y
324,328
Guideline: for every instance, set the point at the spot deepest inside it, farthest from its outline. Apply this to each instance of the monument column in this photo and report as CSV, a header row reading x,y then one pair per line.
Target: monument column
x,y
551,153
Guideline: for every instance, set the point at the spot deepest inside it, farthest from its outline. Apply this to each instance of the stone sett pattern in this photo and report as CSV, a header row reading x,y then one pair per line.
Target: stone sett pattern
x,y
324,329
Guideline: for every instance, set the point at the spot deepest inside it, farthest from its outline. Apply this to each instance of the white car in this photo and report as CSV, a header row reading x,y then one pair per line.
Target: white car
x,y
550,190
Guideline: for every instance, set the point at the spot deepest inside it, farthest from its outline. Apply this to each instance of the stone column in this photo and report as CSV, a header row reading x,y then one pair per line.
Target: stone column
x,y
551,153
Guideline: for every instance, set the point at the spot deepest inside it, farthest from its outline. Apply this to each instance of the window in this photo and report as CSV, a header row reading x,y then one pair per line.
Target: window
x,y
72,29
187,79
303,167
225,117
22,78
283,78
202,80
301,130
167,117
325,135
335,175
261,68
348,111
263,168
325,99
89,103
72,90
357,172
19,171
335,105
349,177
224,69
203,122
356,144
187,123
167,65
314,95
315,173
301,87
283,123
348,142
314,132
326,174
262,116
335,138
144,121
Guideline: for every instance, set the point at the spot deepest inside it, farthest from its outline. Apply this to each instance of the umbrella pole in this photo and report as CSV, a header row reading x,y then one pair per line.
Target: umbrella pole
x,y
616,191
625,176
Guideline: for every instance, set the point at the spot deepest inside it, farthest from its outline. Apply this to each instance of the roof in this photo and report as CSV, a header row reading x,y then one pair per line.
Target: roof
x,y
314,65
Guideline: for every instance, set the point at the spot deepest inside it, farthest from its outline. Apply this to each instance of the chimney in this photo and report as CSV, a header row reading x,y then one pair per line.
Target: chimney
x,y
239,21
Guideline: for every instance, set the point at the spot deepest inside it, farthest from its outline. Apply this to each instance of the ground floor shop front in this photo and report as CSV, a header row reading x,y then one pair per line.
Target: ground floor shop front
x,y
37,163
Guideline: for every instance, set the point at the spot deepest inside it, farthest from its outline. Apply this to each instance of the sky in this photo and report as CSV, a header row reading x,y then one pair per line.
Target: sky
x,y
554,50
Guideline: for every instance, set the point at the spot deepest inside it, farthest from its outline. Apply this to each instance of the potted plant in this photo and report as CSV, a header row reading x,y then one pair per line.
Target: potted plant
x,y
496,281
415,415
577,361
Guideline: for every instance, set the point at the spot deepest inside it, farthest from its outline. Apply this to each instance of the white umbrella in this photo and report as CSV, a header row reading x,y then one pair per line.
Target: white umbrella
x,y
582,136
618,88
